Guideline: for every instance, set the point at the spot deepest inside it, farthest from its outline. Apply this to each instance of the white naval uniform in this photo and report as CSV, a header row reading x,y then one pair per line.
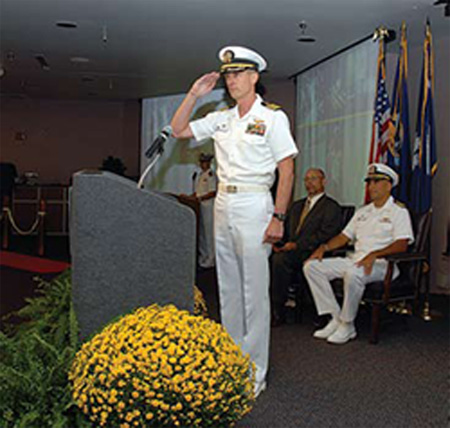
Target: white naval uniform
x,y
206,183
247,151
372,229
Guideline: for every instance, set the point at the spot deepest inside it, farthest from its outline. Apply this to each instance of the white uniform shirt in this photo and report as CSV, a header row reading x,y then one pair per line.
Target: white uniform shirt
x,y
375,228
206,183
248,148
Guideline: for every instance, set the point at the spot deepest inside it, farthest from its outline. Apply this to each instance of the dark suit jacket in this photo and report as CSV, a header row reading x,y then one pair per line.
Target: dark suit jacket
x,y
323,222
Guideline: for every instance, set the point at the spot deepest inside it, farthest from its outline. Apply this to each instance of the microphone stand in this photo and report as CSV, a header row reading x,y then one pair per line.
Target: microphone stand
x,y
156,153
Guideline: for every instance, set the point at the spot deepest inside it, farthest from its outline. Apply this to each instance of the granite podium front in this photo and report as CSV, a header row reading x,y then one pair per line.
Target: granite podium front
x,y
130,248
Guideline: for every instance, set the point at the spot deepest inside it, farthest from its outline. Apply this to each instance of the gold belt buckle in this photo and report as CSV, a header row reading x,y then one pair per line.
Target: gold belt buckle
x,y
231,189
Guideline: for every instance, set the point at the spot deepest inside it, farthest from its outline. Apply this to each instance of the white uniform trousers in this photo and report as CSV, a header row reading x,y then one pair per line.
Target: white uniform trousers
x,y
240,220
206,234
320,273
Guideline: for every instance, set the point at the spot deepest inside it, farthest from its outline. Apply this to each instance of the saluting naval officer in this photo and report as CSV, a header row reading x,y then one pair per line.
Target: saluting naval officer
x,y
381,228
251,140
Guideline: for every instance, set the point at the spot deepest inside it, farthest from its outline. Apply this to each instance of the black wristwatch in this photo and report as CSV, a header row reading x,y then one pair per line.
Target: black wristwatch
x,y
279,216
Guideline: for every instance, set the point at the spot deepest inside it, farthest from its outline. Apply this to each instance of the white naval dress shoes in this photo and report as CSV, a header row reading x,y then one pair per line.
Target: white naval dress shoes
x,y
344,333
259,388
328,330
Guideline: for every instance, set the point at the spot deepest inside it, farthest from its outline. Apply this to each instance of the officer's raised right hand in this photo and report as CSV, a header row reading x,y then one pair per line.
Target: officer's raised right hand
x,y
204,84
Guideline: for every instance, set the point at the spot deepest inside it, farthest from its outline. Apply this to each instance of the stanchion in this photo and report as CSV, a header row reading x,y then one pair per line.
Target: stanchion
x,y
38,226
41,231
5,219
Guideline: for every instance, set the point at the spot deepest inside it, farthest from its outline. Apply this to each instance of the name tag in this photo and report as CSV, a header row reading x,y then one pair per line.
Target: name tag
x,y
222,127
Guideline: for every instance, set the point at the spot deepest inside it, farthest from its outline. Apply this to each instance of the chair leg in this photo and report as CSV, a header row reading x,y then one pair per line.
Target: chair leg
x,y
375,324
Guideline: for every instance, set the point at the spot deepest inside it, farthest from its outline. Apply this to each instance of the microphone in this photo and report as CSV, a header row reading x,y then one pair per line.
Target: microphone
x,y
194,176
157,145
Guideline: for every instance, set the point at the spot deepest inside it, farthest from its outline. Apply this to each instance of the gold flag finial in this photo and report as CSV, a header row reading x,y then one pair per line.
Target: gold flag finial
x,y
380,33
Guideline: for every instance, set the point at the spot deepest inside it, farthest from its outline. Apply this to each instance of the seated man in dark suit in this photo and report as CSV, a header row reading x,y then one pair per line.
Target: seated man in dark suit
x,y
310,222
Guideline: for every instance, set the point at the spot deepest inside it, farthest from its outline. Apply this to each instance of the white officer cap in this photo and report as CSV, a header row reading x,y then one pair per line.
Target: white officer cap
x,y
239,58
381,171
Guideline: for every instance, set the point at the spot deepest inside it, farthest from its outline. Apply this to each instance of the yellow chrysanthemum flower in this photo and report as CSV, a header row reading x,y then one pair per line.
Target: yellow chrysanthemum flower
x,y
162,367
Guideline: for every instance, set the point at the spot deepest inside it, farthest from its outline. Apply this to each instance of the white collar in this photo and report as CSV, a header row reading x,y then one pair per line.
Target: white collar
x,y
389,202
254,106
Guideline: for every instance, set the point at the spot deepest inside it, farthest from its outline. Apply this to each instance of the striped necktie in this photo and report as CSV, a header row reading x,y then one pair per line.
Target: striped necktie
x,y
303,215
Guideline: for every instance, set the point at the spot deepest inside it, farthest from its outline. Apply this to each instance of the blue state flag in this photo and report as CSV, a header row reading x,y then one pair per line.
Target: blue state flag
x,y
399,156
424,155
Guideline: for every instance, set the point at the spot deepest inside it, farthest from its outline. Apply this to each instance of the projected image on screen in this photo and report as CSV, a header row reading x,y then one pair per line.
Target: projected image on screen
x,y
174,170
334,120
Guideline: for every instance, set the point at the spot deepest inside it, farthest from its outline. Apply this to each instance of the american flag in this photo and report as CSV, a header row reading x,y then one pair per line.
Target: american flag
x,y
383,128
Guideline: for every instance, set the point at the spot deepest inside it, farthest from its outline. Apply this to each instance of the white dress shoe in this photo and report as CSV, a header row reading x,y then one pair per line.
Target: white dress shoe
x,y
344,333
259,388
328,330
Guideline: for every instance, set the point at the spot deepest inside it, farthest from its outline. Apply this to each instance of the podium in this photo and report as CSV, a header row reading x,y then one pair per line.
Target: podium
x,y
130,248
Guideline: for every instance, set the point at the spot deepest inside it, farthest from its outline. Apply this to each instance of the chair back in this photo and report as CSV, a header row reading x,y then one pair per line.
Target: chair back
x,y
347,212
421,225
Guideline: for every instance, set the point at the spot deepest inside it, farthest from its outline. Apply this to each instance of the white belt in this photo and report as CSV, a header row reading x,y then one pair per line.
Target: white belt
x,y
242,188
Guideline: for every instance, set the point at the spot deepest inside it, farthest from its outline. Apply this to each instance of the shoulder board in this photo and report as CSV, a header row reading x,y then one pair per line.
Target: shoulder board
x,y
229,107
400,204
271,106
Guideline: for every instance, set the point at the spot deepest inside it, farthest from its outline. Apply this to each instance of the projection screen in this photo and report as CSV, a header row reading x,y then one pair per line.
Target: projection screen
x,y
334,107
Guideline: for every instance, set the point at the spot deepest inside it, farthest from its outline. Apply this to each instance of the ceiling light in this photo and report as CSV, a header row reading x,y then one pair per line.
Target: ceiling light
x,y
305,38
66,24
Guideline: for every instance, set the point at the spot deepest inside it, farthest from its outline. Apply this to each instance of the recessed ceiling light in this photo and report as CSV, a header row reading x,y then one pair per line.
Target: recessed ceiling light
x,y
66,24
79,59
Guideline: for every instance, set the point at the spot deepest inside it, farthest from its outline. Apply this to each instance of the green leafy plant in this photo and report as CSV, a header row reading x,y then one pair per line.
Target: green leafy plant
x,y
37,350
35,355
114,164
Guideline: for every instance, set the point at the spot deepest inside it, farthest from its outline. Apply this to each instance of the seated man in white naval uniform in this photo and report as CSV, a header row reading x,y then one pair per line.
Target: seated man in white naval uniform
x,y
251,140
205,192
381,228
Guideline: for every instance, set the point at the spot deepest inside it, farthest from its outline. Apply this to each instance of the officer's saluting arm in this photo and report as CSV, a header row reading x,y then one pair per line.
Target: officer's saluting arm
x,y
201,87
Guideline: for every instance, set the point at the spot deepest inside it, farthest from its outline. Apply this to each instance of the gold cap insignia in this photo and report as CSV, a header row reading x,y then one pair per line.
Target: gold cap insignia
x,y
228,56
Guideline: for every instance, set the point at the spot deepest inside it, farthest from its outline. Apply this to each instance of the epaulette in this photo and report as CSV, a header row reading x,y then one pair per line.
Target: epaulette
x,y
271,106
400,204
226,108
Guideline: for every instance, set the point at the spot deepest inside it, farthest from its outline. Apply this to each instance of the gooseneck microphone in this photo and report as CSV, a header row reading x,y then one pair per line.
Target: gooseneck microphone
x,y
157,145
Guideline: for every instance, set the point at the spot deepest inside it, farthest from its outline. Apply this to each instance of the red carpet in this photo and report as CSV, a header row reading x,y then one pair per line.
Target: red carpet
x,y
30,263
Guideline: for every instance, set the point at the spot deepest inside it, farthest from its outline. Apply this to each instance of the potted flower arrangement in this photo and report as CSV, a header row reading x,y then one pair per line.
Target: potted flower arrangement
x,y
162,367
